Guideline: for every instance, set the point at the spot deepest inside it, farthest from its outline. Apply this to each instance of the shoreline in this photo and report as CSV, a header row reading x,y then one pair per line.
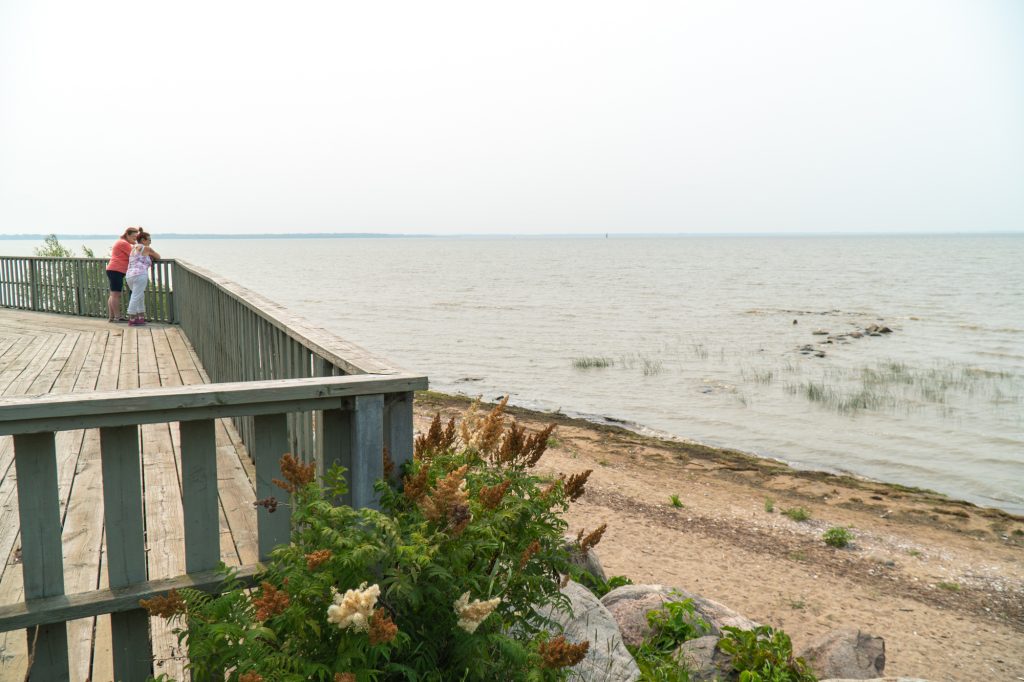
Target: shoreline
x,y
629,426
940,579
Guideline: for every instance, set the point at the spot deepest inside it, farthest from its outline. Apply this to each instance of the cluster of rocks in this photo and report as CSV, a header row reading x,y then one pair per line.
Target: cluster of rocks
x,y
830,338
620,619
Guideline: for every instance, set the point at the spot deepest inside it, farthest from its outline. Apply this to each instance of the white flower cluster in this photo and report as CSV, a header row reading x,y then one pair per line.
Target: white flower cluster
x,y
352,610
471,614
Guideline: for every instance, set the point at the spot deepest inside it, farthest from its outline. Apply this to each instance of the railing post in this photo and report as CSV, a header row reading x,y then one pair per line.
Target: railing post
x,y
270,444
126,551
199,495
42,563
355,440
367,450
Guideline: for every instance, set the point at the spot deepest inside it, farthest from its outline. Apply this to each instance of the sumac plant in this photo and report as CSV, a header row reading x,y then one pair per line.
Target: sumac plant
x,y
444,583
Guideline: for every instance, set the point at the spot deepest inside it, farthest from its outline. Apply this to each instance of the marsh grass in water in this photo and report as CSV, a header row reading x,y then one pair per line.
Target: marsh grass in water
x,y
652,367
592,362
891,386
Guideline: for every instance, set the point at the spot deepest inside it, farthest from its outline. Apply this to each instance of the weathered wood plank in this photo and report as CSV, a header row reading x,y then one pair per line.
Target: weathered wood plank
x,y
20,375
60,608
270,445
41,554
367,450
18,415
199,495
83,540
126,552
165,525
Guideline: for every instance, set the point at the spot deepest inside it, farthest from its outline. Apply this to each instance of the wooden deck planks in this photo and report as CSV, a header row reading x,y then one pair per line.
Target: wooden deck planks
x,y
62,354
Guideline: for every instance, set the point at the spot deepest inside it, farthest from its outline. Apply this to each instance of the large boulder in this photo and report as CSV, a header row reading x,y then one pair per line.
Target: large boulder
x,y
607,659
630,604
846,653
704,661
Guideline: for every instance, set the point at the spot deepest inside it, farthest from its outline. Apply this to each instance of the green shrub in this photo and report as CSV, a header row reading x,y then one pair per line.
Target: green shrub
x,y
675,501
597,586
769,505
797,513
763,655
672,624
837,537
444,583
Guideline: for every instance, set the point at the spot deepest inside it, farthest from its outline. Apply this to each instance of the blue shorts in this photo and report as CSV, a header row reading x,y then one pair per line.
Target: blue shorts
x,y
116,280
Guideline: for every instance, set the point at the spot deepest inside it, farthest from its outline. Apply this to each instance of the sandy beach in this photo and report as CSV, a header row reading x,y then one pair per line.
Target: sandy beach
x,y
941,580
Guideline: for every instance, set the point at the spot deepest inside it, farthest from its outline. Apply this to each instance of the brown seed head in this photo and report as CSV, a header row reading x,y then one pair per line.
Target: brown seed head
x,y
536,445
528,554
459,517
166,606
491,497
314,559
591,540
558,653
270,602
414,487
297,475
344,677
449,491
389,464
382,628
250,677
574,486
484,434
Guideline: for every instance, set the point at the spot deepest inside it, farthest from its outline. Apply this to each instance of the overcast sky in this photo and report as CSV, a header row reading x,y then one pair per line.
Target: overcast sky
x,y
516,117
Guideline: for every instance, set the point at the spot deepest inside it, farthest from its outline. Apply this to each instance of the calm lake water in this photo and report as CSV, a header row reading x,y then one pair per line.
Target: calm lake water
x,y
698,337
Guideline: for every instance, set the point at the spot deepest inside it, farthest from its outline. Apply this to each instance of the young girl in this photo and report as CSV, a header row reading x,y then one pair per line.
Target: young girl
x,y
142,256
116,268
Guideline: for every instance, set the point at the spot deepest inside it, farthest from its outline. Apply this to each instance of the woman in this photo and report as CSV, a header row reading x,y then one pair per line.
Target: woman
x,y
116,269
141,257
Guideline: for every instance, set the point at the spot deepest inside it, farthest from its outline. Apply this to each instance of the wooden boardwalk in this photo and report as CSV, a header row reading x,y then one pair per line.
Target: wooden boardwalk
x,y
47,353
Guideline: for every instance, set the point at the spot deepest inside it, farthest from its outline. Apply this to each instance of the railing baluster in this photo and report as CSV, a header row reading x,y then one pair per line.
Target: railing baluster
x,y
270,443
199,494
337,445
42,563
398,431
126,552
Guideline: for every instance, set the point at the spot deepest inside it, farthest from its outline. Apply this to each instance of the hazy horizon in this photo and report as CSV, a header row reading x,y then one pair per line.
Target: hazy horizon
x,y
456,118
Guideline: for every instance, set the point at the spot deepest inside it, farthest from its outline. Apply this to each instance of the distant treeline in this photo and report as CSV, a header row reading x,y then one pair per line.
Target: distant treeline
x,y
175,235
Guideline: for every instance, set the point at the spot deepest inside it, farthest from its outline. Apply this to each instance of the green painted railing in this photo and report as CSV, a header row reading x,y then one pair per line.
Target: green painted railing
x,y
289,387
352,431
242,336
77,286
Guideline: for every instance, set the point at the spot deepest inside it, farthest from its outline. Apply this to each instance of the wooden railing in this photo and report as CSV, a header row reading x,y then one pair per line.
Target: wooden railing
x,y
288,387
242,336
77,286
352,433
